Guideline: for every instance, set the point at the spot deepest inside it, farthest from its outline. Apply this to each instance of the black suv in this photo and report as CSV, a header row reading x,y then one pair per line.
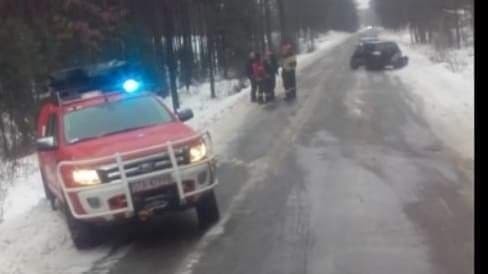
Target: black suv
x,y
375,55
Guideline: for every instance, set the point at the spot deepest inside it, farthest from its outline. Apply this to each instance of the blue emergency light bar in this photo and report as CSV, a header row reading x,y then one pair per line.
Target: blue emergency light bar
x,y
131,86
112,76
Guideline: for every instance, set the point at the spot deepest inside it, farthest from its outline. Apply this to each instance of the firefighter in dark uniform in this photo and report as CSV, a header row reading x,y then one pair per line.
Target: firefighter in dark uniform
x,y
272,67
260,76
250,75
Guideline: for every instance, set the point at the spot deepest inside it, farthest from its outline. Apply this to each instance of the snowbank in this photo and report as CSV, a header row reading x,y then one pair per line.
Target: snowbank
x,y
207,110
447,92
26,192
323,43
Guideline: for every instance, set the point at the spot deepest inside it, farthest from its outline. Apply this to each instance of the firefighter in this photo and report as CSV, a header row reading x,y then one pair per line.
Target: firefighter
x,y
250,75
260,76
272,66
288,74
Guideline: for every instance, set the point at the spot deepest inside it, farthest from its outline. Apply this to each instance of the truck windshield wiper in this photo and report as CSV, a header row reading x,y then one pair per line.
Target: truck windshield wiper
x,y
77,140
125,130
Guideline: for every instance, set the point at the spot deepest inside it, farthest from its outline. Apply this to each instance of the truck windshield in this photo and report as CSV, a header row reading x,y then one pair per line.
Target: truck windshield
x,y
114,117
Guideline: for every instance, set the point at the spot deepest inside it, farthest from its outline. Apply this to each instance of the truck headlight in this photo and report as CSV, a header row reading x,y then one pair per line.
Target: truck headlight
x,y
198,152
86,177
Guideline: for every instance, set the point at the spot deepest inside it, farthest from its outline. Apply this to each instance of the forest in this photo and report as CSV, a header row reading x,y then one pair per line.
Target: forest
x,y
177,42
442,23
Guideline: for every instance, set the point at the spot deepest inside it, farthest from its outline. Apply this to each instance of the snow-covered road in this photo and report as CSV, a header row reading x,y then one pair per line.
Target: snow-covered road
x,y
357,122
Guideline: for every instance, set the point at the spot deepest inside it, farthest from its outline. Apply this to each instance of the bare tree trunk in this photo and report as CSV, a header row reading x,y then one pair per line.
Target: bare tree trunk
x,y
312,39
412,34
170,53
187,61
261,26
224,55
267,15
458,30
3,135
211,46
282,17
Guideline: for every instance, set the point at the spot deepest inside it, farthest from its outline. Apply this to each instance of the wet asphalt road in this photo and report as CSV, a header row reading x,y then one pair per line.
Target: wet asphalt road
x,y
349,179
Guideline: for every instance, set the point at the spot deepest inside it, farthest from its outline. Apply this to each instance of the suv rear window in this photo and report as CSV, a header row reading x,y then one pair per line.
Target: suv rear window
x,y
392,47
114,117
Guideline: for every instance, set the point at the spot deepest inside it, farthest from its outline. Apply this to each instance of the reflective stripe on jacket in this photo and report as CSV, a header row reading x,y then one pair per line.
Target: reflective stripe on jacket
x,y
290,62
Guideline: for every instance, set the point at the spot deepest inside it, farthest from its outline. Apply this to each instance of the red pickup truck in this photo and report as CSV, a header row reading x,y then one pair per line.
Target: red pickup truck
x,y
108,156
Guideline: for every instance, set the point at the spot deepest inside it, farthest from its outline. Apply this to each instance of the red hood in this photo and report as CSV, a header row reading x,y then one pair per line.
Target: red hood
x,y
127,141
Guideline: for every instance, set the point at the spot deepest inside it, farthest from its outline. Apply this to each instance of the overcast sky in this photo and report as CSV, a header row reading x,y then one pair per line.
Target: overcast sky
x,y
363,4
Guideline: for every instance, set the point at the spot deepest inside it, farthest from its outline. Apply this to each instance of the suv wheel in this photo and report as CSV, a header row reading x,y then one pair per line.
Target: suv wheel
x,y
208,210
83,234
355,63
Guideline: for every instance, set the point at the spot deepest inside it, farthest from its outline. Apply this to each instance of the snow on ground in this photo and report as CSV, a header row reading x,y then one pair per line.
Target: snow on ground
x,y
363,4
34,239
26,192
325,42
207,110
446,90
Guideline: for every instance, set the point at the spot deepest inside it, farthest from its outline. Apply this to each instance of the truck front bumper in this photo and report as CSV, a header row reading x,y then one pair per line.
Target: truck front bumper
x,y
115,201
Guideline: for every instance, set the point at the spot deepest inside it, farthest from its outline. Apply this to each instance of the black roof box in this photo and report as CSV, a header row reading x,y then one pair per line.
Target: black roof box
x,y
72,82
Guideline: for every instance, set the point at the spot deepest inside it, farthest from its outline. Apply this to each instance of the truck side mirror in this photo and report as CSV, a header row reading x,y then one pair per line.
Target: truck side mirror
x,y
46,143
185,114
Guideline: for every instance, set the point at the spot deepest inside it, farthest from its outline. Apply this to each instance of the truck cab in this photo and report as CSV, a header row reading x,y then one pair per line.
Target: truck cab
x,y
109,152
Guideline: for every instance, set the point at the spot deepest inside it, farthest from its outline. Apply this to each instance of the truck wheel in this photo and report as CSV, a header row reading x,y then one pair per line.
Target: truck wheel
x,y
83,234
208,210
47,192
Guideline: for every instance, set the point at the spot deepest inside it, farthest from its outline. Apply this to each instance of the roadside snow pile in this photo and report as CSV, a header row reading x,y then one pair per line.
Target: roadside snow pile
x,y
460,61
324,42
447,94
39,242
25,192
206,109
34,239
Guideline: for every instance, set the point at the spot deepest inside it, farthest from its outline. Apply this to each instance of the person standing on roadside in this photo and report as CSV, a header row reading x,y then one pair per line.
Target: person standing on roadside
x,y
289,64
250,74
272,66
260,76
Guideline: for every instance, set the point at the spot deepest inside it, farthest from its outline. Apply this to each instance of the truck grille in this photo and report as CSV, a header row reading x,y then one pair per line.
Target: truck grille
x,y
146,165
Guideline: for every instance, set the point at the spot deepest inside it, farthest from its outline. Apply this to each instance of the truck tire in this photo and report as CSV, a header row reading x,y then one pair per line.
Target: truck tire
x,y
208,210
83,234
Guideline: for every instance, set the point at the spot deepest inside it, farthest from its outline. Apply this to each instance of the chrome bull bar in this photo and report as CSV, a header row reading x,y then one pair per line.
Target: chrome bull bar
x,y
122,186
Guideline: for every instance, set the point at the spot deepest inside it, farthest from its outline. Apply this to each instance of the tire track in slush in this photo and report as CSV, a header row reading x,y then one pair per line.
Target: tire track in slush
x,y
262,167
